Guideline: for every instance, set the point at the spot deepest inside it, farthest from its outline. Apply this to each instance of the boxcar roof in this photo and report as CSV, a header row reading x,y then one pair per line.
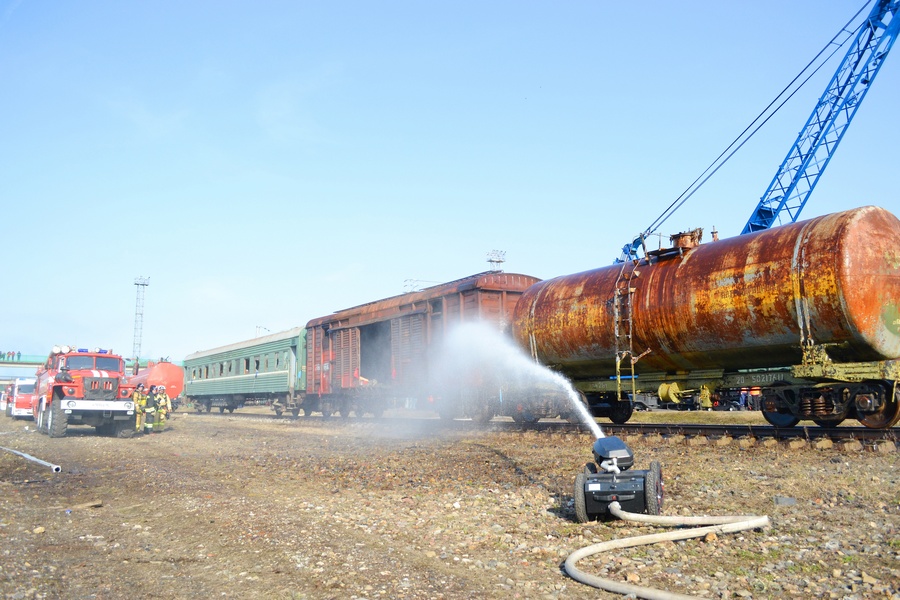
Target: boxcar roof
x,y
489,280
273,337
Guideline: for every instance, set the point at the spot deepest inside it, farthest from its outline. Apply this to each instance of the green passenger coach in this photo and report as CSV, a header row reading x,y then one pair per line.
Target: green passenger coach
x,y
266,370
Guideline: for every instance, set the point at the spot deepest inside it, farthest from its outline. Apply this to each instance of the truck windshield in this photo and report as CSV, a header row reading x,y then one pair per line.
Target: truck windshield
x,y
26,388
80,362
104,363
108,363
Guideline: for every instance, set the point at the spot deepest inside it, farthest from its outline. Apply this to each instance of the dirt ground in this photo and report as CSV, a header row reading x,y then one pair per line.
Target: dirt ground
x,y
220,506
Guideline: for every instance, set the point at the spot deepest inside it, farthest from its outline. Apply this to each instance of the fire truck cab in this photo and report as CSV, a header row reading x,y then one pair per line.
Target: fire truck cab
x,y
77,386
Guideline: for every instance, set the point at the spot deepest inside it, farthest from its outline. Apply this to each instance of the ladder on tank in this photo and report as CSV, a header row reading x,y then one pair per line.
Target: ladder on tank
x,y
623,307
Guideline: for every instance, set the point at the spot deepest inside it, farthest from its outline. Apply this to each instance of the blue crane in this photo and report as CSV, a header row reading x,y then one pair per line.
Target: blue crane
x,y
819,138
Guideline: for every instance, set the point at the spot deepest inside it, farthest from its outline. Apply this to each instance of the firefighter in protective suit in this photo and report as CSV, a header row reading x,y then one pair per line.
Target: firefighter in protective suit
x,y
140,403
163,408
150,410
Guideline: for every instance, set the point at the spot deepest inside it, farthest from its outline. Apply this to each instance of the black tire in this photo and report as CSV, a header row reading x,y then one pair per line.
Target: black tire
x,y
57,422
653,489
41,424
124,429
580,508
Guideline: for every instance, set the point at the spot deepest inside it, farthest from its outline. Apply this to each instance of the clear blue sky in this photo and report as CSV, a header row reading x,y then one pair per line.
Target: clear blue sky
x,y
265,163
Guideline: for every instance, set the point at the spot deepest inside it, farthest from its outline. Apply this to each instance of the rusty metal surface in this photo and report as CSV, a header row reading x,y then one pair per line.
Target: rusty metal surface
x,y
416,301
736,303
386,341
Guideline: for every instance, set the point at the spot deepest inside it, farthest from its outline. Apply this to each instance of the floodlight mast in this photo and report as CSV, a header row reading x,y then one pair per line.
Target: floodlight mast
x,y
141,284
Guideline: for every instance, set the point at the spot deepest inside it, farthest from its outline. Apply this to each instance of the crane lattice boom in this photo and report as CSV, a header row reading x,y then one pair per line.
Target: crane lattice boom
x,y
819,138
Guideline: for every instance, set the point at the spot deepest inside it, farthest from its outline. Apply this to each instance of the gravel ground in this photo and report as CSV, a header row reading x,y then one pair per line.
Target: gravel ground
x,y
219,506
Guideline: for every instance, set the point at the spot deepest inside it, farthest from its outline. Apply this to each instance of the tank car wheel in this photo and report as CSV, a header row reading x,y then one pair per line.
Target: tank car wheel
x,y
524,418
828,422
295,412
621,412
570,417
483,415
777,419
653,489
580,508
887,416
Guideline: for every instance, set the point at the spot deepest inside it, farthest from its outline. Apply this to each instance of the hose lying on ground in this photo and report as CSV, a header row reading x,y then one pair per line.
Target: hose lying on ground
x,y
54,468
719,525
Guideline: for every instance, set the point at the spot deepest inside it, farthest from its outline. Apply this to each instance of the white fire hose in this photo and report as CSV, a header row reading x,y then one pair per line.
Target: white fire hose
x,y
718,525
54,468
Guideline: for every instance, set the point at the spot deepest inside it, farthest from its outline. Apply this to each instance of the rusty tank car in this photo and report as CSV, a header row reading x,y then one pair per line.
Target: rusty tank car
x,y
808,312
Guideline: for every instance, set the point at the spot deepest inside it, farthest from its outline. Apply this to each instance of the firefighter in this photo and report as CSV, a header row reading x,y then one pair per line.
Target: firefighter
x,y
163,408
140,402
150,410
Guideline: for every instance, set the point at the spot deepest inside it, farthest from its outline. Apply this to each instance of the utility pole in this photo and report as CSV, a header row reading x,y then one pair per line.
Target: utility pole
x,y
141,284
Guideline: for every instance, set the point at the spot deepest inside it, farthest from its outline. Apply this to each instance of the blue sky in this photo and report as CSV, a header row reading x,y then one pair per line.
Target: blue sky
x,y
266,163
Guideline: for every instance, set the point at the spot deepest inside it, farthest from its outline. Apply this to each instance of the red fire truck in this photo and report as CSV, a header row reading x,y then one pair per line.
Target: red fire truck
x,y
77,386
20,399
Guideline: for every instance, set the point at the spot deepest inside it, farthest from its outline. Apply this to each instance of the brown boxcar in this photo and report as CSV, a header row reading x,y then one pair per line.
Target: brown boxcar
x,y
378,355
756,301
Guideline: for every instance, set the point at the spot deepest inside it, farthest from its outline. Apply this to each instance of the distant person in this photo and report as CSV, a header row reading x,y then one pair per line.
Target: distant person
x,y
19,356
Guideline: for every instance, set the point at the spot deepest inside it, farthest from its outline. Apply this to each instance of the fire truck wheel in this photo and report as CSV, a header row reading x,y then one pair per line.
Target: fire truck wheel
x,y
653,489
57,422
124,429
42,419
580,509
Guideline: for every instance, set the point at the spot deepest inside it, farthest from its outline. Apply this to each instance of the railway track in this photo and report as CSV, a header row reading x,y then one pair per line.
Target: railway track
x,y
713,432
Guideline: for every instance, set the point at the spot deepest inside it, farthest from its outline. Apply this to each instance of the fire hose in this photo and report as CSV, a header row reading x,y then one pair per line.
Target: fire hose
x,y
54,468
725,524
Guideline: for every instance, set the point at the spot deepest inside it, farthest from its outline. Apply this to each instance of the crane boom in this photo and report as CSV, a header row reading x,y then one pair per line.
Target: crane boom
x,y
819,138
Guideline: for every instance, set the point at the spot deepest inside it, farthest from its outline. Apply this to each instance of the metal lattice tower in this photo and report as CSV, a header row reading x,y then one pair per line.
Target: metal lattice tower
x,y
141,284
